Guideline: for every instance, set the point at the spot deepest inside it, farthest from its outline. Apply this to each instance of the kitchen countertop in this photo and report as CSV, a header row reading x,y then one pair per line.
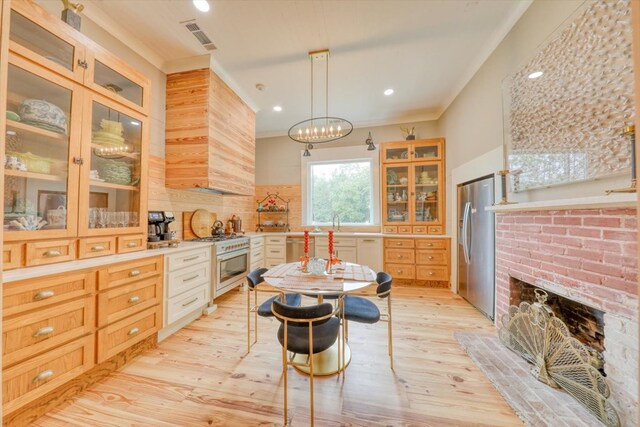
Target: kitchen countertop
x,y
349,234
63,267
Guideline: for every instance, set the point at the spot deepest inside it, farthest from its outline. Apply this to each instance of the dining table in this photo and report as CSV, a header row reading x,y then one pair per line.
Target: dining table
x,y
344,278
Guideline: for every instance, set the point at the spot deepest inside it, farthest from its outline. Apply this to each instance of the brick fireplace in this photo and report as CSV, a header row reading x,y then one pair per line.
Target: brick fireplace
x,y
589,257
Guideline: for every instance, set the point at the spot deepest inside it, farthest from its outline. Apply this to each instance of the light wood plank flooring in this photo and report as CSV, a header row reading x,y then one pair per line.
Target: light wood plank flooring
x,y
201,376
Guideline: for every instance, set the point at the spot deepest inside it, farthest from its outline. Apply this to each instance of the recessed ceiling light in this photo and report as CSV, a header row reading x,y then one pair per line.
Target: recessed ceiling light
x,y
277,108
201,5
388,92
535,74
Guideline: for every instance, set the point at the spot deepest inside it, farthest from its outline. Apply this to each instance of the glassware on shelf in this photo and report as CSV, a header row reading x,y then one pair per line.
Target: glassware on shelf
x,y
93,217
102,217
134,219
112,219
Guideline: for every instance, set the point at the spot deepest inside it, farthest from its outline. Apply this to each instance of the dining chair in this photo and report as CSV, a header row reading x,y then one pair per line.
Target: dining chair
x,y
362,310
264,309
306,330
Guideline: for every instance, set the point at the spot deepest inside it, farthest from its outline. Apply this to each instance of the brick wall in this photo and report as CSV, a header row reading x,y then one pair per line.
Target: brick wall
x,y
589,256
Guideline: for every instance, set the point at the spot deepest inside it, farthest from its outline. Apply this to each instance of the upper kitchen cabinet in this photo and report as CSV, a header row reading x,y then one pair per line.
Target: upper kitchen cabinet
x,y
210,135
35,34
413,187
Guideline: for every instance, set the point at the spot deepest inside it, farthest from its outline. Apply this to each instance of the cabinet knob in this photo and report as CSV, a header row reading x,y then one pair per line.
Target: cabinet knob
x,y
133,331
52,253
399,244
45,330
43,295
83,64
429,244
134,273
430,257
43,375
134,298
431,273
399,256
399,271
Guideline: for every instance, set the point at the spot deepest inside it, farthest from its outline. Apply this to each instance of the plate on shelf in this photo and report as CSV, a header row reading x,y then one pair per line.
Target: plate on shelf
x,y
392,177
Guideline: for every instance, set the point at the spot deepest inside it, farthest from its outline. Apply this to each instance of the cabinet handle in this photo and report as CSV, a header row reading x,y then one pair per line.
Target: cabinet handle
x,y
132,244
399,244
98,248
193,258
43,295
52,253
133,331
43,375
134,298
429,244
430,257
399,256
191,278
45,330
190,302
399,271
134,273
431,273
369,240
83,64
78,161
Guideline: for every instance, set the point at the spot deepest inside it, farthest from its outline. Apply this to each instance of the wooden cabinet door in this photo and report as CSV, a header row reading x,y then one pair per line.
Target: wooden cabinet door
x,y
113,198
370,253
396,179
42,146
37,35
427,193
427,149
395,152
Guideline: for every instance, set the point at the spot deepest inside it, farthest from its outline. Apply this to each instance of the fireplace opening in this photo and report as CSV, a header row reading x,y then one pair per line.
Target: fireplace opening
x,y
585,323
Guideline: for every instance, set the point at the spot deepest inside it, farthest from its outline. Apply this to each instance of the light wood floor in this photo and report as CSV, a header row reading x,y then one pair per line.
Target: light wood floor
x,y
200,377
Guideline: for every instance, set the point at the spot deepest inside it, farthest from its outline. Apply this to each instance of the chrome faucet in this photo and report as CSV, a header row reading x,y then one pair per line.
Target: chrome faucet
x,y
333,221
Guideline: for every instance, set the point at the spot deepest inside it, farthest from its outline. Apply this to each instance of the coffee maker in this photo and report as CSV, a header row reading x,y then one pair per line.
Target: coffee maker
x,y
159,225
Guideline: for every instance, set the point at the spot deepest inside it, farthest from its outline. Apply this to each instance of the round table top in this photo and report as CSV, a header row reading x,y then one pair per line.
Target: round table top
x,y
314,285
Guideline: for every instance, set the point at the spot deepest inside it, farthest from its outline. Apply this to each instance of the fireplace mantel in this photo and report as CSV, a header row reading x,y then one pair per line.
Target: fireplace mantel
x,y
615,200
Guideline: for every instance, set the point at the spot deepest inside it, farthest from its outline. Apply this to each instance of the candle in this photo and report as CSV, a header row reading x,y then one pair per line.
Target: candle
x,y
330,244
306,242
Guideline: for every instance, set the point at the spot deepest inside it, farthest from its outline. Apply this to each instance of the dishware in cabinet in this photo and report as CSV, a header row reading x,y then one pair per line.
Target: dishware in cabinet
x,y
396,194
427,193
46,40
113,181
416,150
42,153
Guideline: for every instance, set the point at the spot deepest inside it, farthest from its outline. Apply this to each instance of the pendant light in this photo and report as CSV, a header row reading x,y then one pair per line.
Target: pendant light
x,y
321,129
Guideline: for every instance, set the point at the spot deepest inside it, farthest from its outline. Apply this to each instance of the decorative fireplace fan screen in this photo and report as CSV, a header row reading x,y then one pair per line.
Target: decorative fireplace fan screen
x,y
559,360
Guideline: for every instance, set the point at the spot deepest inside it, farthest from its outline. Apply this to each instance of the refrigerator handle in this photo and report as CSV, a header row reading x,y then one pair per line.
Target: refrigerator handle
x,y
465,229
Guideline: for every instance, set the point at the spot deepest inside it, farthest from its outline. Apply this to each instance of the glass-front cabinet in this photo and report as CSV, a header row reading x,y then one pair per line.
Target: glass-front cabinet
x,y
413,187
112,183
42,139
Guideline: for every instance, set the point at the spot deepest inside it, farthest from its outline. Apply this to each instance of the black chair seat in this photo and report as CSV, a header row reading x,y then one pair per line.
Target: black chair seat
x,y
293,300
324,336
360,310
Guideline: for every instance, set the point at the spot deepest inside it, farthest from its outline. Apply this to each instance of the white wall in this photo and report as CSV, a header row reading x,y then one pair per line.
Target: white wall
x,y
278,158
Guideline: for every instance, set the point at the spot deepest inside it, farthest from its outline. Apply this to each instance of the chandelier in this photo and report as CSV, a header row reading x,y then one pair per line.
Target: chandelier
x,y
321,129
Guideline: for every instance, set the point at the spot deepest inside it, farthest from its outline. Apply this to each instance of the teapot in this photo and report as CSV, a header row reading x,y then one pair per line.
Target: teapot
x,y
218,228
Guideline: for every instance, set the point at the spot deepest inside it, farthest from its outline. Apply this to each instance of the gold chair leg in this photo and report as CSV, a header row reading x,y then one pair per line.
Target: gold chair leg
x,y
311,370
284,370
390,332
255,315
248,321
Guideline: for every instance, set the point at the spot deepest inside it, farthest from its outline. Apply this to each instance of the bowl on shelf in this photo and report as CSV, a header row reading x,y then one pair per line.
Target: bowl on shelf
x,y
40,113
268,223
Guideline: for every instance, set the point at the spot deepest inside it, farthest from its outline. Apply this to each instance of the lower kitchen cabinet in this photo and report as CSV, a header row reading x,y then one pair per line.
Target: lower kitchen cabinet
x,y
256,257
424,260
275,250
55,328
369,252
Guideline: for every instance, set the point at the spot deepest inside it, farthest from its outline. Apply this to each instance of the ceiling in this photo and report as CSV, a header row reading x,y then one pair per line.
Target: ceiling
x,y
426,50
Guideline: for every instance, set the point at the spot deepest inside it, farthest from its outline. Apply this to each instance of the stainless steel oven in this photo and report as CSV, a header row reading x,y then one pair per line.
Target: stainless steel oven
x,y
231,270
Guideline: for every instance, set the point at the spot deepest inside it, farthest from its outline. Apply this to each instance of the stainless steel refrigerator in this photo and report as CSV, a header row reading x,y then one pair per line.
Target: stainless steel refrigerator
x,y
476,244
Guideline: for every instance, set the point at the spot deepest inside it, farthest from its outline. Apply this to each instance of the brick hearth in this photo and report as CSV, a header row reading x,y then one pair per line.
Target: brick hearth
x,y
588,256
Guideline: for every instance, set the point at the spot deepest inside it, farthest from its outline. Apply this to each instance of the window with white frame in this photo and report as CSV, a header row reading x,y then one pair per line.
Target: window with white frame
x,y
343,186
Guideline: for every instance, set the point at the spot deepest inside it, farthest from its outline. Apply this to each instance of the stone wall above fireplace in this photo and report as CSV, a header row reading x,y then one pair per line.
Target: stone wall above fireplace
x,y
588,256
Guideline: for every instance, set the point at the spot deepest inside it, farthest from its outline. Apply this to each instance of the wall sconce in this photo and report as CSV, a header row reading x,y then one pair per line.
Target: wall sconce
x,y
370,144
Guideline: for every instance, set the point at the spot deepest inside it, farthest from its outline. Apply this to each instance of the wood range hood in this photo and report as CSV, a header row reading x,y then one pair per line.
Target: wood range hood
x,y
209,136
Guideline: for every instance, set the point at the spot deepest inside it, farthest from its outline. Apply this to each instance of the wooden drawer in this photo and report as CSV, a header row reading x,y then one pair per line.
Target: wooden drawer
x,y
123,301
96,246
435,229
431,243
184,304
275,240
11,256
275,252
389,229
339,241
49,252
135,242
399,256
32,333
125,333
400,271
272,262
256,242
129,272
419,229
187,258
188,278
432,273
39,375
32,294
398,243
404,229
257,254
432,257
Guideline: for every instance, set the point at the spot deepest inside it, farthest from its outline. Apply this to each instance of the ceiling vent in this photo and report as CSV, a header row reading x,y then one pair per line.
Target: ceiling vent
x,y
197,32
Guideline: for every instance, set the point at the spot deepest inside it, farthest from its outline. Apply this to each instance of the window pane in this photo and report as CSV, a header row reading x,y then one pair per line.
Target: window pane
x,y
344,188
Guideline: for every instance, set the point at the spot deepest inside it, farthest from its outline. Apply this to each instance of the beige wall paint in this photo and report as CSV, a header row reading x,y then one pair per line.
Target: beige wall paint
x,y
278,158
